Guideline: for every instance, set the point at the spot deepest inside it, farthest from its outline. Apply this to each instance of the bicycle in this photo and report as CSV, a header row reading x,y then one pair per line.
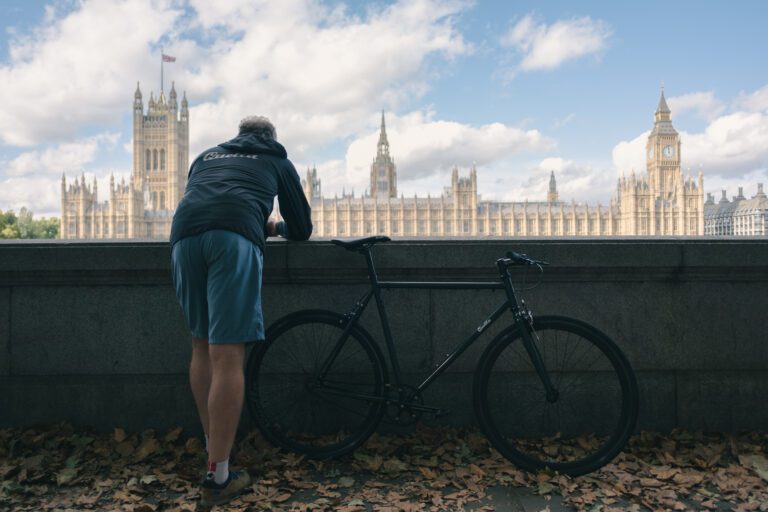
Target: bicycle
x,y
549,392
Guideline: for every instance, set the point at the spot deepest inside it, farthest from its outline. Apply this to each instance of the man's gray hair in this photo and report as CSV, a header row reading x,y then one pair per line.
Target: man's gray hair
x,y
259,125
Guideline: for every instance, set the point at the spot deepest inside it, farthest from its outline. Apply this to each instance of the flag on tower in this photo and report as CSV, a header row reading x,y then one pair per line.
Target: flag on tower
x,y
168,58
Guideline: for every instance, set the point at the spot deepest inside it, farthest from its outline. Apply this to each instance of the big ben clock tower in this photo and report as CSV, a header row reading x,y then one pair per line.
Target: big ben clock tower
x,y
663,153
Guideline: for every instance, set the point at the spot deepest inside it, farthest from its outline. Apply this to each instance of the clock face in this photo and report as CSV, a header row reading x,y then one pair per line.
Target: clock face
x,y
668,151
650,152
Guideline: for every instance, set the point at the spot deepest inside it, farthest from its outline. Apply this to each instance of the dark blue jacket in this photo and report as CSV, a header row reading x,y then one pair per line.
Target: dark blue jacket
x,y
233,186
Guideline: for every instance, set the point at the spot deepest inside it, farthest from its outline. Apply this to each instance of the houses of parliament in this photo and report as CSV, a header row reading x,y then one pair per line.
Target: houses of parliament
x,y
662,202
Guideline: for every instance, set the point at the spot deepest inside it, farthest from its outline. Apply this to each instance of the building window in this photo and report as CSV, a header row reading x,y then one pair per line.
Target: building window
x,y
154,159
162,159
162,200
149,160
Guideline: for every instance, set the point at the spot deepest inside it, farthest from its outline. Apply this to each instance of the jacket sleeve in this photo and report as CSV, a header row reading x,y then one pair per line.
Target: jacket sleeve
x,y
297,215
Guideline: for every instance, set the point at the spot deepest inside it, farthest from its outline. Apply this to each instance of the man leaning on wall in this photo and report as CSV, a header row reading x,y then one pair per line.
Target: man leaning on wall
x,y
217,240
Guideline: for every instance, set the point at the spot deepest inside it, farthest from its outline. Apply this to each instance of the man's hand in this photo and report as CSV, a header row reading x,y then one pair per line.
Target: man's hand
x,y
271,227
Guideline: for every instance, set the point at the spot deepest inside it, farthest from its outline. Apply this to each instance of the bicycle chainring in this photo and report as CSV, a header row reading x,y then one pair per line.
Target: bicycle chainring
x,y
400,411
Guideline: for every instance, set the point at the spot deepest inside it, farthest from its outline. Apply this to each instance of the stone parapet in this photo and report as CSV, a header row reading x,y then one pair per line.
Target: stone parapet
x,y
91,332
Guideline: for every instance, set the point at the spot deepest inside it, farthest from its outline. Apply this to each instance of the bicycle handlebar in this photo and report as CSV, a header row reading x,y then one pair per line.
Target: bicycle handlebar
x,y
514,258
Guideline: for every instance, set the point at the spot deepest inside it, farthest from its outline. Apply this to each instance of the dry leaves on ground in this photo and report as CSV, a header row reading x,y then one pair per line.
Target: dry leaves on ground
x,y
431,469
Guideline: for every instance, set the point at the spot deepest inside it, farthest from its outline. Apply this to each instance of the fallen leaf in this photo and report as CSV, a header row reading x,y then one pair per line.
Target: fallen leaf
x,y
757,463
147,448
66,475
120,435
173,435
148,479
125,448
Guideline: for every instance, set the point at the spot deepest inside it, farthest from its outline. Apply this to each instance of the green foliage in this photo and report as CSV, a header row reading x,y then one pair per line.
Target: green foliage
x,y
24,225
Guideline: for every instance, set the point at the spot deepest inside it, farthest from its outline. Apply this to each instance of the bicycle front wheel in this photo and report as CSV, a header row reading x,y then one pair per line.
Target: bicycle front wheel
x,y
312,391
581,429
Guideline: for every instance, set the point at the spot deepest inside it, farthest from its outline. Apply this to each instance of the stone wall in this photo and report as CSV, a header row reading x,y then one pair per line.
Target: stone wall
x,y
91,333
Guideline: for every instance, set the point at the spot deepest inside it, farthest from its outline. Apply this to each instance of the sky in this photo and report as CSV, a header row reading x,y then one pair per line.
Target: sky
x,y
516,88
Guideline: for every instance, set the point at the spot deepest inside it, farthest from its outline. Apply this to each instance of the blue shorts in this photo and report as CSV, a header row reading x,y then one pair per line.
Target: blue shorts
x,y
217,276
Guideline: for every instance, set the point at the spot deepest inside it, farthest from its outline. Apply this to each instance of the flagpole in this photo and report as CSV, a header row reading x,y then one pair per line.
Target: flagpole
x,y
161,69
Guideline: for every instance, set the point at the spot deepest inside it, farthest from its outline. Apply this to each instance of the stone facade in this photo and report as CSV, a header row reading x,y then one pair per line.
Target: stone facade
x,y
739,217
143,207
661,203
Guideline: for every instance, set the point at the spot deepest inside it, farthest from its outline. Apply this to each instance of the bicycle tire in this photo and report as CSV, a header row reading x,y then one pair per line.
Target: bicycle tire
x,y
588,424
292,409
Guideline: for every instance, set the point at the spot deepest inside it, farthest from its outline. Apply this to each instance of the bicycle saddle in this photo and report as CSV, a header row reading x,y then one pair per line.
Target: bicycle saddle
x,y
361,243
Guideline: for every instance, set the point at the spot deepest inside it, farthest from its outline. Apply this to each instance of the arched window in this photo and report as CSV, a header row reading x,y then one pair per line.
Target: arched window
x,y
154,159
149,160
162,200
162,159
154,200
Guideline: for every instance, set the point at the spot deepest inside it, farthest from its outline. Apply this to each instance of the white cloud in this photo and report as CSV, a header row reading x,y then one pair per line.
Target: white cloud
x,y
731,146
321,83
74,71
317,84
66,157
753,102
703,104
629,155
583,183
548,46
425,151
559,123
41,196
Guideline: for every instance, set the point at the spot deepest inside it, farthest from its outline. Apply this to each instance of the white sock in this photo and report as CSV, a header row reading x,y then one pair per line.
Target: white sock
x,y
206,443
219,471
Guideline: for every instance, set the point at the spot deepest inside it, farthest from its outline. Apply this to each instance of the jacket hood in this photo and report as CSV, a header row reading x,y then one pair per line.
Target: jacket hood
x,y
252,143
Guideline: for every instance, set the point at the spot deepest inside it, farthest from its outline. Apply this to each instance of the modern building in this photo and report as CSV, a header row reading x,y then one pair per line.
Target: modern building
x,y
143,207
661,203
739,217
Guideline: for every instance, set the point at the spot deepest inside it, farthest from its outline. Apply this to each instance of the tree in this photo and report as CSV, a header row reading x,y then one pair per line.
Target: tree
x,y
24,225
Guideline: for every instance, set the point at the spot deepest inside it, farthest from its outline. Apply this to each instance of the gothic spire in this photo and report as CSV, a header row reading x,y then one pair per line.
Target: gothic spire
x,y
383,142
663,117
662,104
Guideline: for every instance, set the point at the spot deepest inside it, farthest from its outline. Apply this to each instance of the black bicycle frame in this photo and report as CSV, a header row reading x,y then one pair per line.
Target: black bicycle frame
x,y
511,304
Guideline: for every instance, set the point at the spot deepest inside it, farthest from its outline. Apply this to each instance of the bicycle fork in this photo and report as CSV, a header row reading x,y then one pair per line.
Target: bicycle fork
x,y
524,322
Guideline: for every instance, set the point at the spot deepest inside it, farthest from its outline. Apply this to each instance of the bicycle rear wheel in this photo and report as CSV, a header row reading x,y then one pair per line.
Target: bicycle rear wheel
x,y
591,419
298,409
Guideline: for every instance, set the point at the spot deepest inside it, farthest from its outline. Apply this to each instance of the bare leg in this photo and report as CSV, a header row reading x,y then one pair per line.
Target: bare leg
x,y
225,398
200,378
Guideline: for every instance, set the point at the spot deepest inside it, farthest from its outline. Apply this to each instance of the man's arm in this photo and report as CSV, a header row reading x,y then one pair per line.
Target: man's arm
x,y
293,207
